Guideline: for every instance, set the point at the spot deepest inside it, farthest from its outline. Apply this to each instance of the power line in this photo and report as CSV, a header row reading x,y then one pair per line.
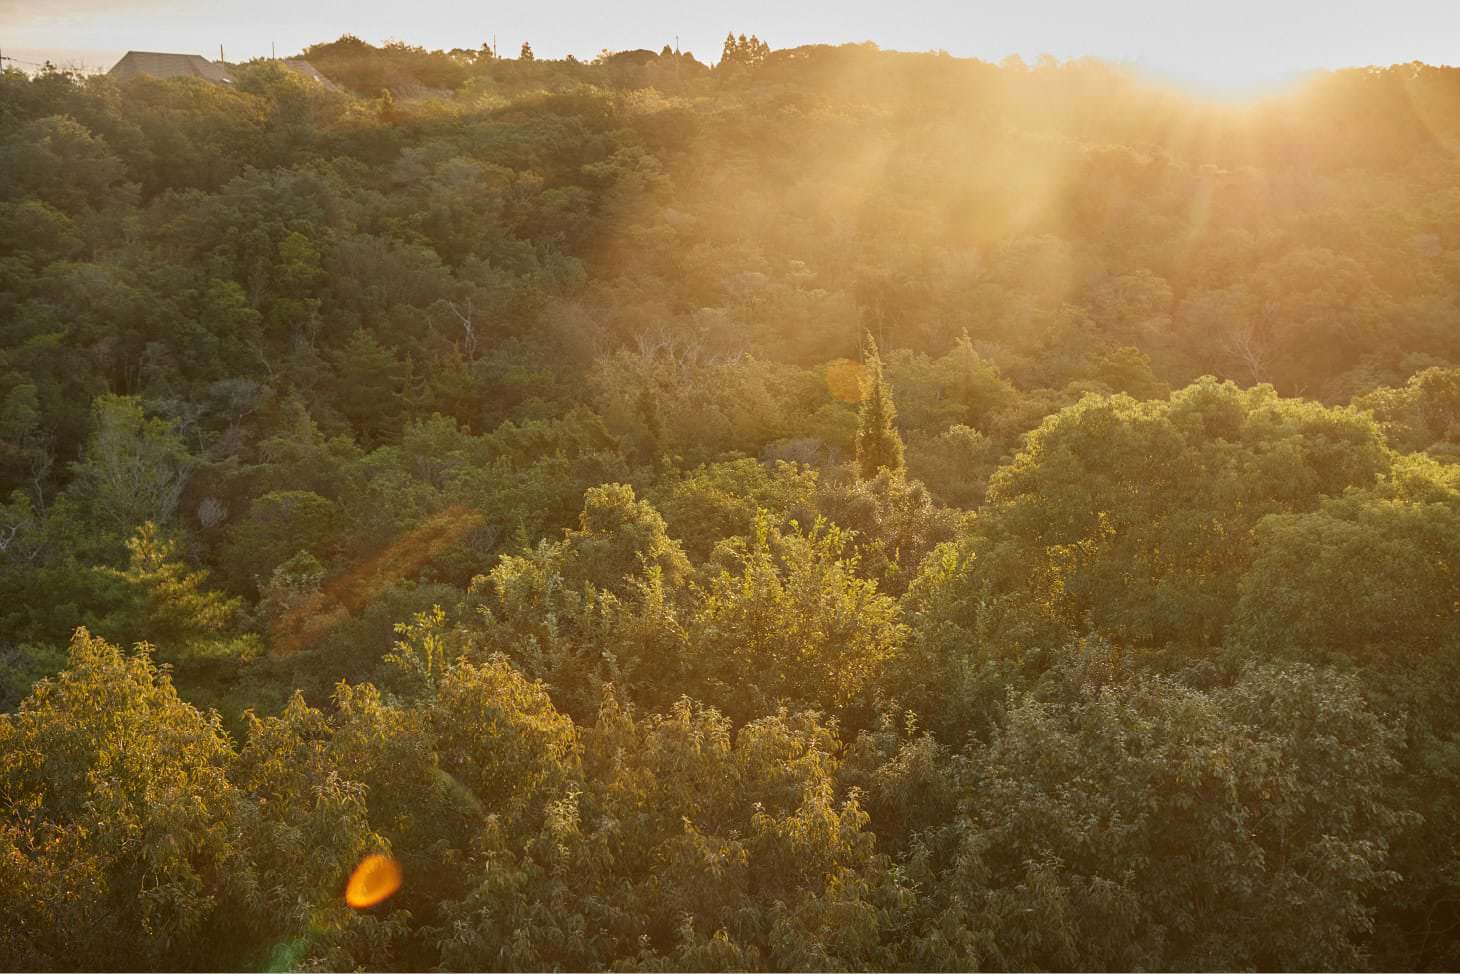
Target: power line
x,y
6,58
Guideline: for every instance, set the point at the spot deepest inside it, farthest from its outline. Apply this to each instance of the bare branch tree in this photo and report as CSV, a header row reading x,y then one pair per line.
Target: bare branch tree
x,y
468,329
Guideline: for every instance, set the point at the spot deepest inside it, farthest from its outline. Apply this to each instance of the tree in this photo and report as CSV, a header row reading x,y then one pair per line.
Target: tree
x,y
276,527
526,53
59,162
743,51
1136,518
955,465
122,846
879,446
959,387
480,761
133,468
1141,824
308,826
1423,414
1128,370
619,536
421,651
683,831
787,620
366,381
721,500
597,607
1373,576
174,608
895,522
22,433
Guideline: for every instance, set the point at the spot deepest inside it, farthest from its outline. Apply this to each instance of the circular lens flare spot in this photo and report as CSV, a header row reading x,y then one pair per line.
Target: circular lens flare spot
x,y
373,881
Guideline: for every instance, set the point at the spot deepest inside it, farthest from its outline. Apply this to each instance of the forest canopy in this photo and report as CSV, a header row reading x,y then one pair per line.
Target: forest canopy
x,y
835,509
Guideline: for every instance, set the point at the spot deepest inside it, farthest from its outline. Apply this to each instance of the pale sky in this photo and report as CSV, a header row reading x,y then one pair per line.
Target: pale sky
x,y
1220,46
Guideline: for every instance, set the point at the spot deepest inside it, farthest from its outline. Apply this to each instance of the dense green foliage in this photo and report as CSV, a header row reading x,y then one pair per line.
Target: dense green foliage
x,y
490,462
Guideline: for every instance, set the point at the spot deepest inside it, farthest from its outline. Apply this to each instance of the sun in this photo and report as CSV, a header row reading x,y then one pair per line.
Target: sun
x,y
1235,83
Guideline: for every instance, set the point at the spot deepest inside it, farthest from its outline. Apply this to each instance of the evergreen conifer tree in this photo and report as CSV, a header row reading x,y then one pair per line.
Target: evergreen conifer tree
x,y
878,444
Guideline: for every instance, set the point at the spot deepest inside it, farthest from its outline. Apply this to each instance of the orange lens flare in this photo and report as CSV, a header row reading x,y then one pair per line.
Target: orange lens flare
x,y
373,881
309,621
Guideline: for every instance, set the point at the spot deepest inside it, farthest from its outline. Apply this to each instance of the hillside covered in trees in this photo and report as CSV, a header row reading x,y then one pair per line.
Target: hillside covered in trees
x,y
836,509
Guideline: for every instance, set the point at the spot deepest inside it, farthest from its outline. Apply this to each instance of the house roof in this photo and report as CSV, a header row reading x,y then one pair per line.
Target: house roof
x,y
153,64
300,66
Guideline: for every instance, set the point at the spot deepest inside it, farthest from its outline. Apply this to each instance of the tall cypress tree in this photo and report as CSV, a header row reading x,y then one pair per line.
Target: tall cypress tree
x,y
878,444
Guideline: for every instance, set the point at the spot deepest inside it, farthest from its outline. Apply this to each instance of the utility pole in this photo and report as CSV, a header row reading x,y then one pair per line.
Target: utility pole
x,y
273,51
221,58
